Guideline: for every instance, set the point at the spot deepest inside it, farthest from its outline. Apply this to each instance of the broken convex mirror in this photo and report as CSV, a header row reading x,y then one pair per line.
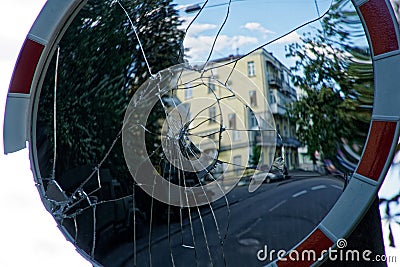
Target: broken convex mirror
x,y
152,138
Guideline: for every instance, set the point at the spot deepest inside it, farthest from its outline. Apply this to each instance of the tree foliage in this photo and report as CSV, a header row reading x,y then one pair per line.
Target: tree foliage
x,y
335,76
101,67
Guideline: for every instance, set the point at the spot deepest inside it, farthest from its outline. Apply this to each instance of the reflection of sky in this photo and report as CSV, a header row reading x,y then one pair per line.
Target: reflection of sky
x,y
251,23
29,234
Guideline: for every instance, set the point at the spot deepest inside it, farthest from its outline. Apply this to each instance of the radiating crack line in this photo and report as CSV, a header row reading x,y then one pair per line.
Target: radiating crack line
x,y
151,223
217,35
134,224
208,119
137,37
76,230
250,130
53,171
181,51
165,109
94,230
230,73
237,165
190,214
93,172
205,135
187,85
211,119
169,216
146,130
219,186
213,215
98,182
99,203
202,227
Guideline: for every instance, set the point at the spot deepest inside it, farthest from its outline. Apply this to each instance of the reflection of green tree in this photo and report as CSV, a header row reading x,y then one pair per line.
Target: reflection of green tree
x,y
101,66
336,77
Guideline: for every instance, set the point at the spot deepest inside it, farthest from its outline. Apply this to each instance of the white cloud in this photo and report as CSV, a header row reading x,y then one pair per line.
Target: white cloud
x,y
200,46
197,28
257,27
290,38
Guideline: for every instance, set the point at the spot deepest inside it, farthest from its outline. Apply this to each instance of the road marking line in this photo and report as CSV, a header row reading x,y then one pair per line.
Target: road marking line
x,y
299,193
337,187
250,228
318,187
277,205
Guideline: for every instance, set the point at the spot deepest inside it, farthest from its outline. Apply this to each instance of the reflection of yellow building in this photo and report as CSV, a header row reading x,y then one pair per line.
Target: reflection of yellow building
x,y
225,107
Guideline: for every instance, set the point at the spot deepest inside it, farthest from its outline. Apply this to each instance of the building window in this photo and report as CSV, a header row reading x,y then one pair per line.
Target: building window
x,y
253,98
272,99
286,77
252,120
211,86
251,69
232,121
188,91
237,164
232,127
212,111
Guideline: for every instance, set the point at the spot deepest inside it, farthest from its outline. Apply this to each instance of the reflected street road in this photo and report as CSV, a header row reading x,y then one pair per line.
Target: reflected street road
x,y
278,215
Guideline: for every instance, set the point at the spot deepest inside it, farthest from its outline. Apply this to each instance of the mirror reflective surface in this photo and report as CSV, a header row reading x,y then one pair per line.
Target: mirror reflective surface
x,y
193,134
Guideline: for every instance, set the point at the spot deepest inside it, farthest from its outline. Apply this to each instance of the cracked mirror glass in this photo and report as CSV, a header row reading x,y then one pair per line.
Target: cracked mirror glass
x,y
174,133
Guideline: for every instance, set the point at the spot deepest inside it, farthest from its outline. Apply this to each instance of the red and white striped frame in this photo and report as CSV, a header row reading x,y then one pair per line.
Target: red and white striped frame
x,y
26,82
383,35
32,62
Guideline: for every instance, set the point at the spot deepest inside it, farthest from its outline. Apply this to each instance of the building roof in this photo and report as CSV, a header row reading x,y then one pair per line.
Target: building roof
x,y
268,54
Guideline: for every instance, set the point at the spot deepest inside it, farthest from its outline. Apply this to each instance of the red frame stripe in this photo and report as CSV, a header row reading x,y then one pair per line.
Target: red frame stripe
x,y
380,26
25,67
377,150
316,242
